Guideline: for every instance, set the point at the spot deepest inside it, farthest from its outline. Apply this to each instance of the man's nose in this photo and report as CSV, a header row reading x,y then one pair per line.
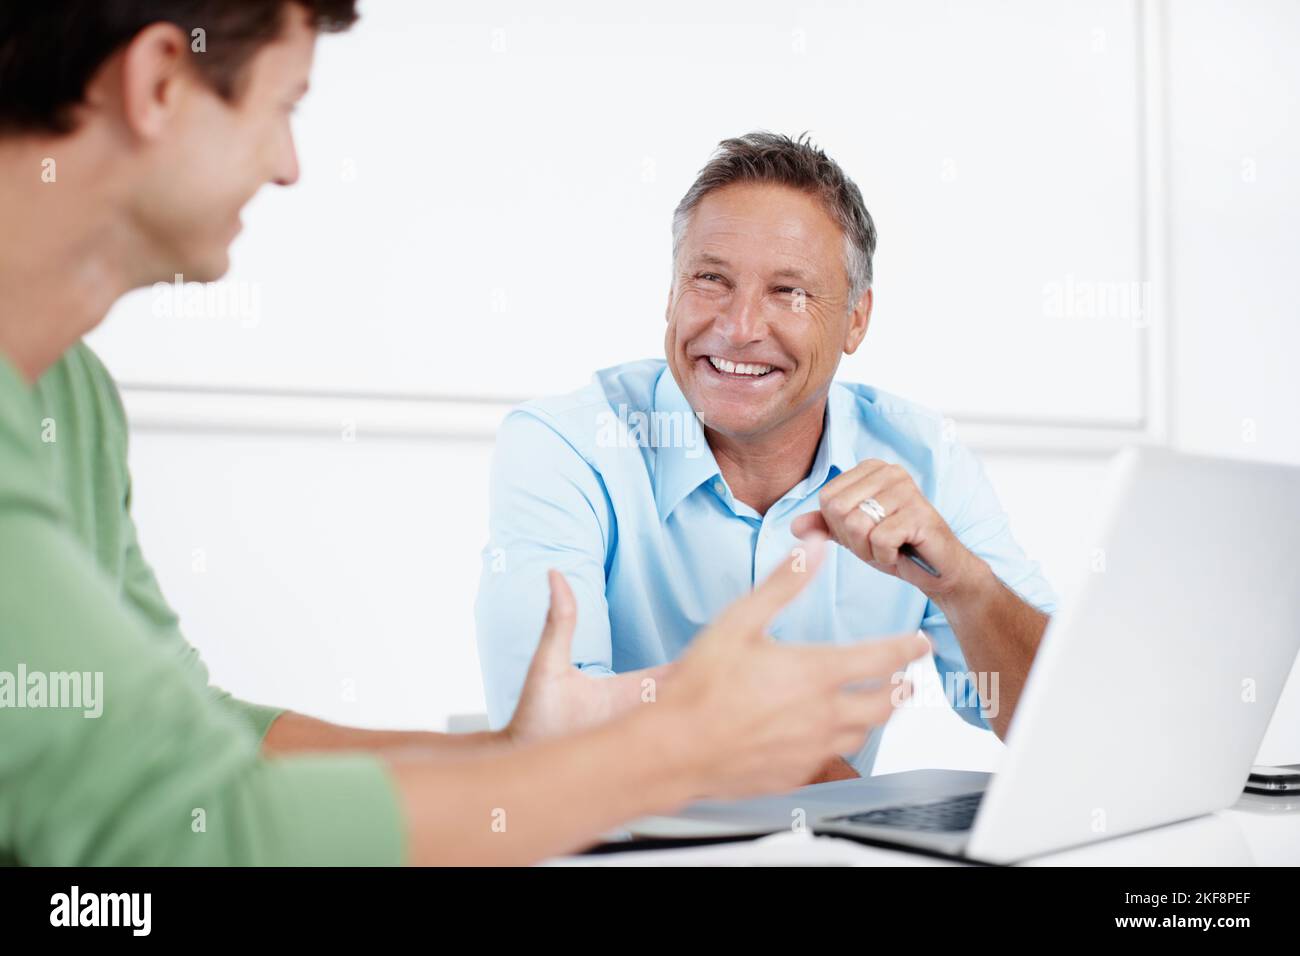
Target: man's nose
x,y
741,321
286,167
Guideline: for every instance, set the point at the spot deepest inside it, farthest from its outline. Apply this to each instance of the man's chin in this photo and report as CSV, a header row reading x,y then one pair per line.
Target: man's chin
x,y
207,268
734,423
736,415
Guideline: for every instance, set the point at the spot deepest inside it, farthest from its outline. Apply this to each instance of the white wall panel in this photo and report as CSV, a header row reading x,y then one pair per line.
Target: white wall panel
x,y
487,190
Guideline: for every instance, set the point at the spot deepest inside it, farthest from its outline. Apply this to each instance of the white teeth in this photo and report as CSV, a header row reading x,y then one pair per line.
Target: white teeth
x,y
738,368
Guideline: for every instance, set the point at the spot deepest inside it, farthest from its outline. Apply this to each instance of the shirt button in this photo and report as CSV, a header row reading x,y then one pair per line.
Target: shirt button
x,y
719,487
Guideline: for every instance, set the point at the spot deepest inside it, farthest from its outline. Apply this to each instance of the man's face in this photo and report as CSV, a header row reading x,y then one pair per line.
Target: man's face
x,y
215,154
760,284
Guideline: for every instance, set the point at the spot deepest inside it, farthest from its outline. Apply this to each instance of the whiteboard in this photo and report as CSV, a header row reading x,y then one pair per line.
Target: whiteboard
x,y
487,190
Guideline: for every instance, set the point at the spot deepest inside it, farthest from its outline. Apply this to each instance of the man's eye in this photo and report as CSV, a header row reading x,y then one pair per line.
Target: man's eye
x,y
709,277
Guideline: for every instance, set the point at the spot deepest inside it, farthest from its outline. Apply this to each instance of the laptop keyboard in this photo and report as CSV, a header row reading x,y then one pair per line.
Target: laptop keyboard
x,y
948,815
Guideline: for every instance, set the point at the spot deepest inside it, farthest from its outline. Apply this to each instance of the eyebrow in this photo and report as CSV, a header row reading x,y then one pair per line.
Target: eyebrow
x,y
797,275
711,259
708,259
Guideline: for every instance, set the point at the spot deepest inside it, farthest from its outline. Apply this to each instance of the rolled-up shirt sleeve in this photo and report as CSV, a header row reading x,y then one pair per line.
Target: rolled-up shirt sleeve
x,y
969,504
547,509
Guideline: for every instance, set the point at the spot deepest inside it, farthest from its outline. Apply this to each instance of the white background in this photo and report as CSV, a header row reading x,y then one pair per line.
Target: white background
x,y
484,216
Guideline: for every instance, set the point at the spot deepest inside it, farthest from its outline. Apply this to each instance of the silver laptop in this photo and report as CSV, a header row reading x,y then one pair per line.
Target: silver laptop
x,y
1150,693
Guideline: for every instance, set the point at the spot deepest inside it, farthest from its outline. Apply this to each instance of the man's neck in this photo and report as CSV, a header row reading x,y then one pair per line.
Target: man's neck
x,y
63,261
760,470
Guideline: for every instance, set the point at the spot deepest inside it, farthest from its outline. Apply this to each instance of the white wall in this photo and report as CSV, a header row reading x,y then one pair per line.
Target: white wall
x,y
1234,131
332,577
476,176
310,488
1234,134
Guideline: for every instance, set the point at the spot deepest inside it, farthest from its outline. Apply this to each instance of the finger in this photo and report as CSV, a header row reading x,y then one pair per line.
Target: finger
x,y
893,496
886,538
554,650
814,522
859,709
890,485
649,678
866,478
855,533
858,527
656,673
870,660
750,616
852,476
849,524
909,572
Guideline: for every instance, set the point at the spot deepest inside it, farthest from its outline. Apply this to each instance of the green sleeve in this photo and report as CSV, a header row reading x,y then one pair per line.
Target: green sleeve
x,y
152,770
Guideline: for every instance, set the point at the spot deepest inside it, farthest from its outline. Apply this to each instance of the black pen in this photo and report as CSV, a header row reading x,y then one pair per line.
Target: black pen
x,y
909,552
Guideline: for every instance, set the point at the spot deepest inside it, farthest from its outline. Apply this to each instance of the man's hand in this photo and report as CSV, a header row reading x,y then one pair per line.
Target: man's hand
x,y
998,631
756,715
557,697
909,519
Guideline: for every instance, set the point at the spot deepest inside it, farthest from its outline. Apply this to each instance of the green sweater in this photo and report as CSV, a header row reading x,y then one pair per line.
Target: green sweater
x,y
170,771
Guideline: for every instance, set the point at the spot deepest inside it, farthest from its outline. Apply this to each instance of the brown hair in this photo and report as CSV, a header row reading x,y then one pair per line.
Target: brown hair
x,y
50,49
772,158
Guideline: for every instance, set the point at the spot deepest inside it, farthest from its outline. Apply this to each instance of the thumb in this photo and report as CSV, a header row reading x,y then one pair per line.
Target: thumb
x,y
554,650
814,522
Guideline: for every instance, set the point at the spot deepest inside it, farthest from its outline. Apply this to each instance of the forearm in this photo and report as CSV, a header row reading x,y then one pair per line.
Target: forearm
x,y
999,634
547,799
297,733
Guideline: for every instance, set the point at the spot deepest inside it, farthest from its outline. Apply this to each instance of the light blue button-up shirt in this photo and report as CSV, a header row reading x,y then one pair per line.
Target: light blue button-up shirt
x,y
615,486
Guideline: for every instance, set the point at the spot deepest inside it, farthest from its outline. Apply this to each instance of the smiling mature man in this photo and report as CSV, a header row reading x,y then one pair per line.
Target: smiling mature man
x,y
772,249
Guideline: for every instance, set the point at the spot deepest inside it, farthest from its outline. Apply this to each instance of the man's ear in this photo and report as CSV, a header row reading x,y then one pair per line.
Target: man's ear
x,y
859,319
155,74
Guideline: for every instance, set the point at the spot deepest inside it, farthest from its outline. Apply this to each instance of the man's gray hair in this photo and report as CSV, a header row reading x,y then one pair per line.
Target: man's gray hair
x,y
763,157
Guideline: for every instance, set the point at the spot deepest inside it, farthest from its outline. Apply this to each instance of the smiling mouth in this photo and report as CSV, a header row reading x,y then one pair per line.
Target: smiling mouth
x,y
750,370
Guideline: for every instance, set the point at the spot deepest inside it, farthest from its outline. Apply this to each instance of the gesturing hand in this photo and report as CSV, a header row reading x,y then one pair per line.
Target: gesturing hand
x,y
763,715
558,698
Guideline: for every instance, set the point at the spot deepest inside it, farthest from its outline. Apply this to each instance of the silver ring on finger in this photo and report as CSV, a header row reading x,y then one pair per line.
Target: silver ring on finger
x,y
873,510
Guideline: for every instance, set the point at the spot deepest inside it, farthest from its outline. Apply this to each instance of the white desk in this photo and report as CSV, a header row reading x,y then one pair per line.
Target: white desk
x,y
1257,831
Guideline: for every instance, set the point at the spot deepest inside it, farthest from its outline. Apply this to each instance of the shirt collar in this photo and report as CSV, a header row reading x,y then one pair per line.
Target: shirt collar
x,y
681,468
839,436
835,450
